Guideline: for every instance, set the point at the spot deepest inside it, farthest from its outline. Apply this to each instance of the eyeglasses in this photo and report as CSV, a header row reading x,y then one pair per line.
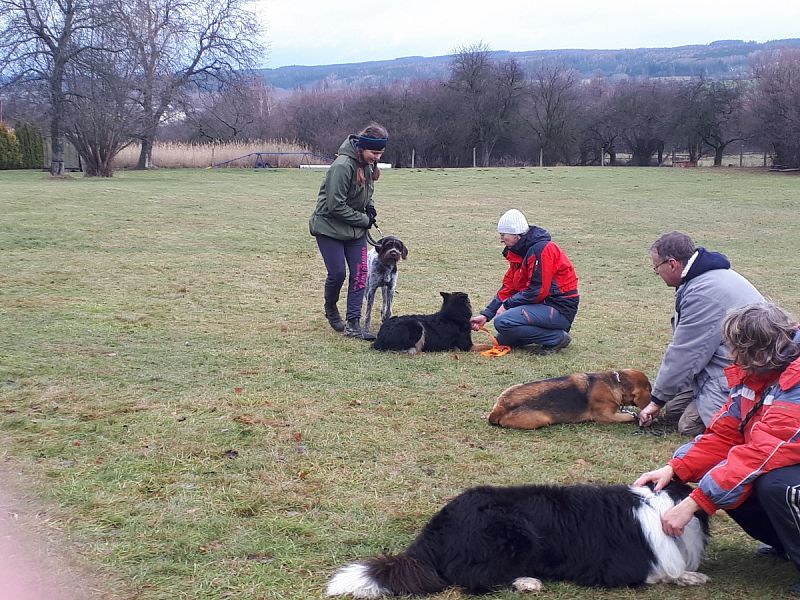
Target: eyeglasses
x,y
663,262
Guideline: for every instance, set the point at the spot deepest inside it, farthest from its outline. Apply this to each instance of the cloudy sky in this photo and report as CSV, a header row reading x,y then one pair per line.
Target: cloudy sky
x,y
321,32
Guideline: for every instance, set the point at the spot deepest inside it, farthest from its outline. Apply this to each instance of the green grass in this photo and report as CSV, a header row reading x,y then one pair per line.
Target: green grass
x,y
168,380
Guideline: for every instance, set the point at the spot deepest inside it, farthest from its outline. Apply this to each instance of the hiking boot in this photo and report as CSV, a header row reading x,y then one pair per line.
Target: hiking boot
x,y
353,329
544,350
765,550
334,318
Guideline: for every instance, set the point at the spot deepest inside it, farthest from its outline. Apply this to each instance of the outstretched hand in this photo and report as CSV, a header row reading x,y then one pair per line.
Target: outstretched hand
x,y
477,322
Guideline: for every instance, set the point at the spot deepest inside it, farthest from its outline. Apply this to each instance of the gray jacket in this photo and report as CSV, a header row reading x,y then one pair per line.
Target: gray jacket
x,y
696,357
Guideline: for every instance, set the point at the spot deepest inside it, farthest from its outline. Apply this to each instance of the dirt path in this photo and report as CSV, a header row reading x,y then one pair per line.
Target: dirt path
x,y
36,563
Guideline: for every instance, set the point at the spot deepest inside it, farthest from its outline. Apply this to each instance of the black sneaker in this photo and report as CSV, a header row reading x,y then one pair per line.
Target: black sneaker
x,y
544,350
765,550
353,329
334,318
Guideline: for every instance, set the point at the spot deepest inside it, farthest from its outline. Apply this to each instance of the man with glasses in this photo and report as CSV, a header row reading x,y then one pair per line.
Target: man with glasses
x,y
691,381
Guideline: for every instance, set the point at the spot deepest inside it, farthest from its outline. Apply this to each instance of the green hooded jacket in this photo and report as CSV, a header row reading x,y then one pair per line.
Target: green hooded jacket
x,y
341,204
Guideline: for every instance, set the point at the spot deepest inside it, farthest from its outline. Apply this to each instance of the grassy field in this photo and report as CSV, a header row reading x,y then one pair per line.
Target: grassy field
x,y
175,398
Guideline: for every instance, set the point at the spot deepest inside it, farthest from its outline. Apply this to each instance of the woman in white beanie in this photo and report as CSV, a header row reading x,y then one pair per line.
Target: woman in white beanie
x,y
539,297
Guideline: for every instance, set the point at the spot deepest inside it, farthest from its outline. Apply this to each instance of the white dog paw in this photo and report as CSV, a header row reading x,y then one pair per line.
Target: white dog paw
x,y
692,578
527,584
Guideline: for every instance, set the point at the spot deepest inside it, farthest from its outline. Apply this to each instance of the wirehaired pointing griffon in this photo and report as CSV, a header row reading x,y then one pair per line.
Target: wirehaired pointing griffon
x,y
572,399
493,537
382,274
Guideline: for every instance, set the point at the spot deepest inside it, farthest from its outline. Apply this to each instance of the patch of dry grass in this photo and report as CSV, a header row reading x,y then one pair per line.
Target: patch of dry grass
x,y
177,155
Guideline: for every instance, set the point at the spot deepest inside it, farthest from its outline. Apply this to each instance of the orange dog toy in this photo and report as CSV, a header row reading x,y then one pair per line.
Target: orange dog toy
x,y
498,350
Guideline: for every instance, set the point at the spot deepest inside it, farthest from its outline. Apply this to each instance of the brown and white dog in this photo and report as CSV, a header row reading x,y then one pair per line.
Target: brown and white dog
x,y
382,274
572,399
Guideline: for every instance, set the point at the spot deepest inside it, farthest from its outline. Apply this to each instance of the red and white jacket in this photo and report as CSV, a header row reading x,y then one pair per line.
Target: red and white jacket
x,y
735,449
539,272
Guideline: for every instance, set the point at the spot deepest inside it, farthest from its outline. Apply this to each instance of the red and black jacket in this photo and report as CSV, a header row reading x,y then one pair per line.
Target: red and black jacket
x,y
757,431
539,272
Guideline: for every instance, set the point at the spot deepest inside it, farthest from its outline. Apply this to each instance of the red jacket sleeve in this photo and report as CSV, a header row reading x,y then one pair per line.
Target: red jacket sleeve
x,y
772,442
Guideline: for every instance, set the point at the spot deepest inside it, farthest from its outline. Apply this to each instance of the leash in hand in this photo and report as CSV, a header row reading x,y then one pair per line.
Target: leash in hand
x,y
370,239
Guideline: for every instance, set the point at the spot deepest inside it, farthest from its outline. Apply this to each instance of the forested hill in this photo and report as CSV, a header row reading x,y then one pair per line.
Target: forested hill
x,y
723,59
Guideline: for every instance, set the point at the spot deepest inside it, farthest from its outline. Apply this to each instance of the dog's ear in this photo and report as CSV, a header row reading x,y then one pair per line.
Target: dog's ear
x,y
403,251
444,295
379,246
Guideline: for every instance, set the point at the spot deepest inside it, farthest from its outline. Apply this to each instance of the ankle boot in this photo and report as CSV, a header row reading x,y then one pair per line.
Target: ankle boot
x,y
333,316
353,329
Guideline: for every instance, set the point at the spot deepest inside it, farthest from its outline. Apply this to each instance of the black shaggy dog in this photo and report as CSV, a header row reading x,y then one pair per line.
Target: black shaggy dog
x,y
447,329
493,537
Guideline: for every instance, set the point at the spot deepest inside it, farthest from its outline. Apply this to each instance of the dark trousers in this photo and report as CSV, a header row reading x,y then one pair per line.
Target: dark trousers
x,y
337,254
772,513
531,324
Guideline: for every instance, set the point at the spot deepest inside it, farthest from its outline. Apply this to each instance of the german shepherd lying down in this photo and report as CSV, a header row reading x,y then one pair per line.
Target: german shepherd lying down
x,y
572,399
494,537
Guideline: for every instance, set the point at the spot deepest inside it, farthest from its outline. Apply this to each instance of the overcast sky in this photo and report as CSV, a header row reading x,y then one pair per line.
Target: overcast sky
x,y
321,32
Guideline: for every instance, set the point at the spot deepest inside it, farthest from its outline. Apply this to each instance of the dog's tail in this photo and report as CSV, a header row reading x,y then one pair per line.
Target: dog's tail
x,y
386,576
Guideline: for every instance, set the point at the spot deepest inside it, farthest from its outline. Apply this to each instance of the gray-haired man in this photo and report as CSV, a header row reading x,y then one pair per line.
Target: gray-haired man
x,y
691,380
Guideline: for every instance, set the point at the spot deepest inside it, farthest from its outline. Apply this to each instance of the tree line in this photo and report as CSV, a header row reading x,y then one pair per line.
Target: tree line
x,y
105,74
550,116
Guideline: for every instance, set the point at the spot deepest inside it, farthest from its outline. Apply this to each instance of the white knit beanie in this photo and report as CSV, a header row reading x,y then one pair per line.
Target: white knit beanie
x,y
512,221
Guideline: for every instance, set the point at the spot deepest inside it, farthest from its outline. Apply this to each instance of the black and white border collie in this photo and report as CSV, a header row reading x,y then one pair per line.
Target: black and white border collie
x,y
492,537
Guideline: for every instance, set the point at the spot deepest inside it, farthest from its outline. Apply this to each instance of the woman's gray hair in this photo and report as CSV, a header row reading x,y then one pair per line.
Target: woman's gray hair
x,y
761,337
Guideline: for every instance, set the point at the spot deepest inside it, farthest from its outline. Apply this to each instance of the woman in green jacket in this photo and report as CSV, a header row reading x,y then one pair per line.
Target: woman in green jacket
x,y
343,214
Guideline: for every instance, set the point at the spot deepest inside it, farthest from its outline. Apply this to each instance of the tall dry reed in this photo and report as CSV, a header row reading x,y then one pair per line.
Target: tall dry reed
x,y
176,155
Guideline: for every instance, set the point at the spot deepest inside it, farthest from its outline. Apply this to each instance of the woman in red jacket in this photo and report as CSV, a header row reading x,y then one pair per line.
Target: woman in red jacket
x,y
748,460
539,296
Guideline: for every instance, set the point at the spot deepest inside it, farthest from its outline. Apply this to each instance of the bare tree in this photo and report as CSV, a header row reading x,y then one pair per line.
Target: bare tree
x,y
238,108
102,117
642,111
39,39
179,42
601,129
490,94
552,111
712,112
776,104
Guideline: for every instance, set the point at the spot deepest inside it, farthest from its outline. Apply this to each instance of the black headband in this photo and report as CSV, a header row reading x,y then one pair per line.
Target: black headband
x,y
370,143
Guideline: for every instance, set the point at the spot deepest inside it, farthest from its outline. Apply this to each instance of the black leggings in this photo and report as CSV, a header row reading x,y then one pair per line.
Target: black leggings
x,y
337,254
772,512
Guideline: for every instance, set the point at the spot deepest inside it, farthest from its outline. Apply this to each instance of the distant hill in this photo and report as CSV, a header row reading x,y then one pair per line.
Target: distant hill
x,y
724,59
